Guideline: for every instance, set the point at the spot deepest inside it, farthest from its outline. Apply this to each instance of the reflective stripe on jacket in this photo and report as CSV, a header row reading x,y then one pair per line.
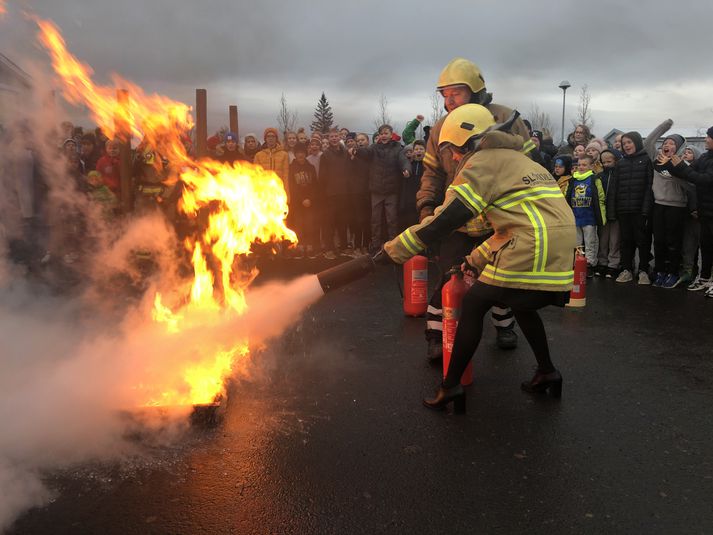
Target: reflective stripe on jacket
x,y
534,234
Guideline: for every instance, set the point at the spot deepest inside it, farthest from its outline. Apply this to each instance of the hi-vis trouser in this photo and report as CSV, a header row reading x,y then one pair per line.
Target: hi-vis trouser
x,y
452,250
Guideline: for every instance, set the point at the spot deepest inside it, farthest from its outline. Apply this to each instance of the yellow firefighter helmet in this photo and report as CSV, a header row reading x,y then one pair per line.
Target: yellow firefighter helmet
x,y
460,71
464,123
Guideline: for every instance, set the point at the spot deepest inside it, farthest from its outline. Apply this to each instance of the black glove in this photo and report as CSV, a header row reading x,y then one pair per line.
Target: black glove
x,y
382,258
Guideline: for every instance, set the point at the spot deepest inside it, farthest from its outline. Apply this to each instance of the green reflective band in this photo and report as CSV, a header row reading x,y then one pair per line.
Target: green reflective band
x,y
470,196
529,194
540,231
430,160
553,278
410,242
528,146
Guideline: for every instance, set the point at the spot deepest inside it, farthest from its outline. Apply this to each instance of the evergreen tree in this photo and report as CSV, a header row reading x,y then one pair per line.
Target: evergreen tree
x,y
323,116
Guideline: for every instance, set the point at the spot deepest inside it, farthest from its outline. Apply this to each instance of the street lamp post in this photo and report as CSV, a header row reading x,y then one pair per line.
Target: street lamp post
x,y
564,85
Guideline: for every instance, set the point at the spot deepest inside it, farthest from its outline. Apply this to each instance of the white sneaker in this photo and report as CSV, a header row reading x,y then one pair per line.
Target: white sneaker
x,y
644,278
625,276
699,284
709,291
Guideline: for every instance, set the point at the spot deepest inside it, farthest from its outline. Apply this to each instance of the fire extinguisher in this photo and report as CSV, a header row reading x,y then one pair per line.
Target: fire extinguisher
x,y
578,295
416,286
452,301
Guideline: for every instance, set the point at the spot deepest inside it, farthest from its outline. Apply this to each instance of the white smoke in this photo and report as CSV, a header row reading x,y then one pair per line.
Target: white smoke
x,y
77,352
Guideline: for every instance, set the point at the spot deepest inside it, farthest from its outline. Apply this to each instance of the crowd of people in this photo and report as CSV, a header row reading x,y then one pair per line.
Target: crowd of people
x,y
349,192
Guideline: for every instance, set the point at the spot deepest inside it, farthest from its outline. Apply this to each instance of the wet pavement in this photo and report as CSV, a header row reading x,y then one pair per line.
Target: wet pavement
x,y
331,436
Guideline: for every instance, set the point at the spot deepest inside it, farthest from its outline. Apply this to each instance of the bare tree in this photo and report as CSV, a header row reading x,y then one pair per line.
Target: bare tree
x,y
286,119
584,112
540,120
437,109
383,117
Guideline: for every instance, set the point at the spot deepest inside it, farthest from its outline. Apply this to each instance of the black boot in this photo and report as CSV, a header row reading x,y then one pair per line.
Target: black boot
x,y
445,396
542,382
507,337
435,352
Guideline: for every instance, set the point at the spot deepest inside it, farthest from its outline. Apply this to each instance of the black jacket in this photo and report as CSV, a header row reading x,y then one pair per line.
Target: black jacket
x,y
629,190
387,163
700,173
334,171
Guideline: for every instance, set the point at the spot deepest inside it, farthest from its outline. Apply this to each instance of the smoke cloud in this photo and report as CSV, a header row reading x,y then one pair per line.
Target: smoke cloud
x,y
80,349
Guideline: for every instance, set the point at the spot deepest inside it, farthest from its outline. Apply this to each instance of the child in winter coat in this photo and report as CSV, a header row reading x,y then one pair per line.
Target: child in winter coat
x,y
563,171
609,249
629,202
585,195
303,185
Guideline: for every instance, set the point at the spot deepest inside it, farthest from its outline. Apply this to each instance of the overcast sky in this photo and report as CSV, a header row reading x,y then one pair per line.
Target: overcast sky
x,y
642,61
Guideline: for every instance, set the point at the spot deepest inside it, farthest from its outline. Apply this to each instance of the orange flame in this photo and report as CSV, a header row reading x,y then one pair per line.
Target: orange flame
x,y
3,9
247,204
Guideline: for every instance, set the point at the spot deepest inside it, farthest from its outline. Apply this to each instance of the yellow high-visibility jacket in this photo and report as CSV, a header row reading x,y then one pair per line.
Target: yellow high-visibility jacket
x,y
534,233
439,169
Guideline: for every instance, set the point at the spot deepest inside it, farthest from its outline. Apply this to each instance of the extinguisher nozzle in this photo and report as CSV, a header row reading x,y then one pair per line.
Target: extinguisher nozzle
x,y
343,274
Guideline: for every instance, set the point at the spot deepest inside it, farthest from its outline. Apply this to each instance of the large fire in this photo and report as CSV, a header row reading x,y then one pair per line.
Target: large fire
x,y
246,204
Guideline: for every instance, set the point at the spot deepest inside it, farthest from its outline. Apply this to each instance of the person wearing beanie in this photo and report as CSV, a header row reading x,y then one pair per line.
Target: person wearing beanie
x,y
630,203
699,173
537,154
670,207
563,171
274,158
609,256
231,150
251,146
594,149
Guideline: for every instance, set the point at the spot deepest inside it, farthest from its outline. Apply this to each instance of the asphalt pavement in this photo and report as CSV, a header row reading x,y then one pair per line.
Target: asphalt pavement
x,y
329,436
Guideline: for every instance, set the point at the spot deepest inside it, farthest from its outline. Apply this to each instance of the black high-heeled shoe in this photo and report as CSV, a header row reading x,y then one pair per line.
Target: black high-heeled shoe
x,y
543,382
444,397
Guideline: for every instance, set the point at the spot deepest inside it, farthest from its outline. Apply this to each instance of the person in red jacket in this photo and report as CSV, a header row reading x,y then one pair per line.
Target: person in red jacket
x,y
108,166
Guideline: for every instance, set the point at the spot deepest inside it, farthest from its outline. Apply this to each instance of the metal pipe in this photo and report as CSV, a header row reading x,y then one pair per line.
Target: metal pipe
x,y
201,123
233,113
123,133
343,274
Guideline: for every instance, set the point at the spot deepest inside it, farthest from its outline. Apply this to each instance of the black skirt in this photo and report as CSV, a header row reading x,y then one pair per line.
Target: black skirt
x,y
519,299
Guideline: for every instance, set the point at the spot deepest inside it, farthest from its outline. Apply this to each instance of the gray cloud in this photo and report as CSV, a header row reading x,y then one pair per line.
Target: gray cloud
x,y
249,53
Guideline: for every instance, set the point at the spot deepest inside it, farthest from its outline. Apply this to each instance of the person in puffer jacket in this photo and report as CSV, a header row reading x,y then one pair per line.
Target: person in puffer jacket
x,y
630,202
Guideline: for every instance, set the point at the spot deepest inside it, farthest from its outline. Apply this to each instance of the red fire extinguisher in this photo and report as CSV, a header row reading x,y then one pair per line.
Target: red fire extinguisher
x,y
578,295
452,300
416,286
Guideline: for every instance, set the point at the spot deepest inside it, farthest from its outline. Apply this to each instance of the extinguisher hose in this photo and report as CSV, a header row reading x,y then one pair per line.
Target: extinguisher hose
x,y
398,273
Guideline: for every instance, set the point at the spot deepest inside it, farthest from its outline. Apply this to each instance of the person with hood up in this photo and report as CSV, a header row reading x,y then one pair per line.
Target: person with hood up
x,y
274,158
525,264
630,203
699,173
251,146
609,256
562,171
670,207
